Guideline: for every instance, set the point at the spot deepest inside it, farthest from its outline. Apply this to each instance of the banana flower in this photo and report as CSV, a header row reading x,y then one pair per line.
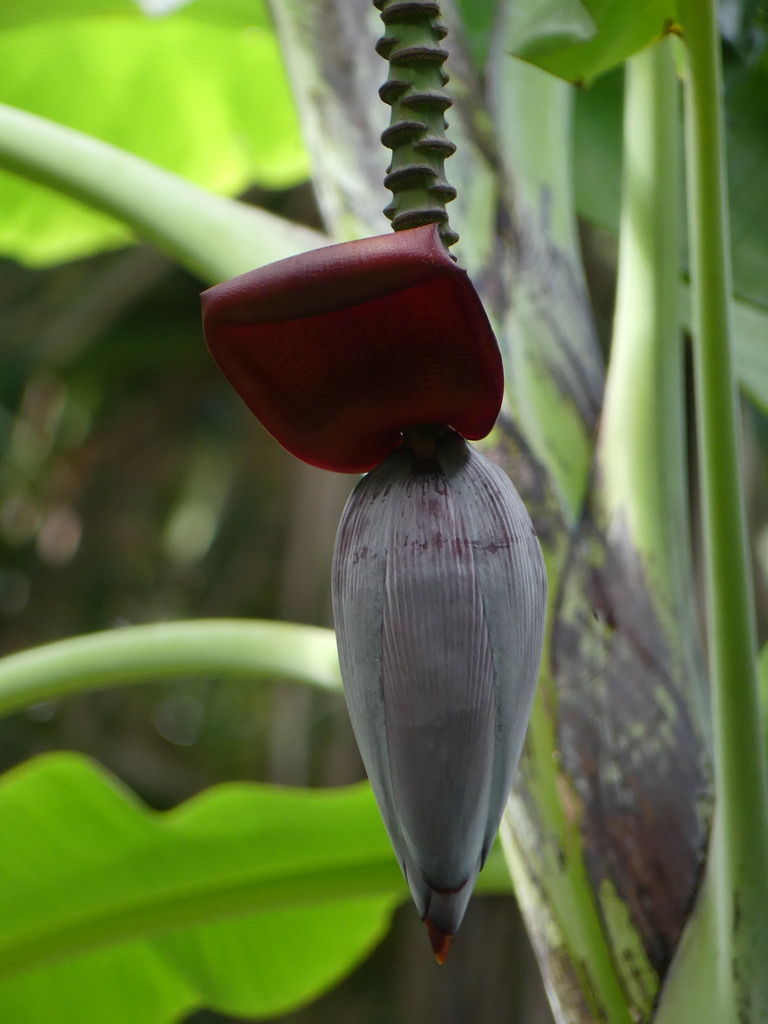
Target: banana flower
x,y
377,356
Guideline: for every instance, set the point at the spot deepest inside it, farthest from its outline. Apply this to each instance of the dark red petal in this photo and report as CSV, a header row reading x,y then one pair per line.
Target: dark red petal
x,y
337,350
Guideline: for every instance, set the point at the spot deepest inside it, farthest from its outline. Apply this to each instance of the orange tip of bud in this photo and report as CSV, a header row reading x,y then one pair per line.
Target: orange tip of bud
x,y
441,943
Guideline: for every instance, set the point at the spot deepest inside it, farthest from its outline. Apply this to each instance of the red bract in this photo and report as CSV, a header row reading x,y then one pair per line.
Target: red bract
x,y
338,350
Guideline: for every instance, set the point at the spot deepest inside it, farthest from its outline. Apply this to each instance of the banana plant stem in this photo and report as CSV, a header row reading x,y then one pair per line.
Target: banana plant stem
x,y
641,444
740,838
211,236
199,648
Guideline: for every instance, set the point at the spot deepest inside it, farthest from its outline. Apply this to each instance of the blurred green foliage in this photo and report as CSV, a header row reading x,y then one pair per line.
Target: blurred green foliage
x,y
167,89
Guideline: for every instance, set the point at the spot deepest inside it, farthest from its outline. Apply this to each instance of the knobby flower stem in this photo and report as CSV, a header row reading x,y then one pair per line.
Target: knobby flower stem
x,y
740,838
415,89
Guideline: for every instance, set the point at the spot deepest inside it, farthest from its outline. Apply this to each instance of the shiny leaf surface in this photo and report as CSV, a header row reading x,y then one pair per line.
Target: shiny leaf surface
x,y
579,39
212,904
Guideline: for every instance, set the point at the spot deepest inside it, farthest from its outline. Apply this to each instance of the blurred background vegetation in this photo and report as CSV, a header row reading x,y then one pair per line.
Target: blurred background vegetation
x,y
135,487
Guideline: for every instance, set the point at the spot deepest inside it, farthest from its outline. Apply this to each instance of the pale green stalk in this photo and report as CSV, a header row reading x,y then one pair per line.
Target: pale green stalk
x,y
739,849
641,499
547,334
552,360
641,431
643,472
230,648
211,236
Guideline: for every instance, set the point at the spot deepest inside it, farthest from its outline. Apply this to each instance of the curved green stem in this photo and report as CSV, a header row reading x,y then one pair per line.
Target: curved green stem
x,y
213,237
739,853
138,654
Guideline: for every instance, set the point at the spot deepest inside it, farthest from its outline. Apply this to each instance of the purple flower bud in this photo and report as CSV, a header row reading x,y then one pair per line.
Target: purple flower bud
x,y
439,594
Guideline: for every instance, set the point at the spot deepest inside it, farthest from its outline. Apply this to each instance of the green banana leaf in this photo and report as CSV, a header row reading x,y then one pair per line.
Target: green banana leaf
x,y
212,904
247,899
171,90
579,39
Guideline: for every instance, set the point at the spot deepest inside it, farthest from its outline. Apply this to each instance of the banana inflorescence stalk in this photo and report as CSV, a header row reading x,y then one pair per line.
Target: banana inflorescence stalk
x,y
415,89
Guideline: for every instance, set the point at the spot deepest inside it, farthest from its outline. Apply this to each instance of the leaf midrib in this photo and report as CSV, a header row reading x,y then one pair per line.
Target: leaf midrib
x,y
356,878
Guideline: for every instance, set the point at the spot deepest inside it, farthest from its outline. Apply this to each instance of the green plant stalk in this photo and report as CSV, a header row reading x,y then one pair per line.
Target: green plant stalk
x,y
533,115
213,237
750,352
641,447
640,502
169,650
641,453
739,849
551,885
548,302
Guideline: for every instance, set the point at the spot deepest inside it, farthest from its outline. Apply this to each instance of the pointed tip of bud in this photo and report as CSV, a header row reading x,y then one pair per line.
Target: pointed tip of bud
x,y
440,942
